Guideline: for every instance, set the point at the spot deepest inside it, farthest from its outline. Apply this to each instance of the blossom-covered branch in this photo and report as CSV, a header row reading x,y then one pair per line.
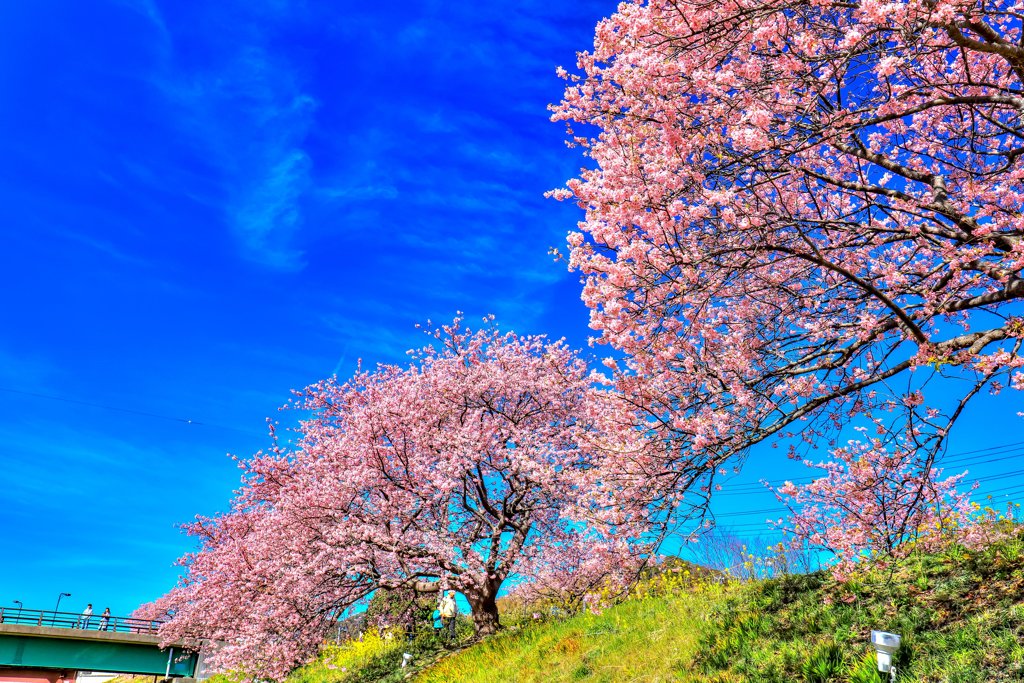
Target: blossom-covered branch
x,y
792,204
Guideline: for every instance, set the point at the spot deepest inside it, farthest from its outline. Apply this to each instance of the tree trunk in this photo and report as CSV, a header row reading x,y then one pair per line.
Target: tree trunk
x,y
485,613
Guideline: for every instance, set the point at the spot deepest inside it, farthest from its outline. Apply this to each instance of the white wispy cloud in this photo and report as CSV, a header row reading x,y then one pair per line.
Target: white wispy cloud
x,y
266,212
249,115
439,190
359,193
149,10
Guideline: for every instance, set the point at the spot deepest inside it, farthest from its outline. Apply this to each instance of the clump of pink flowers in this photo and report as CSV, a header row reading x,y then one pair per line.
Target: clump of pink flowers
x,y
876,501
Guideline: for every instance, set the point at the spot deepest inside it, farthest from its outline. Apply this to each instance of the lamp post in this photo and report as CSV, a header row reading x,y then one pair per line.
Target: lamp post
x,y
53,622
18,603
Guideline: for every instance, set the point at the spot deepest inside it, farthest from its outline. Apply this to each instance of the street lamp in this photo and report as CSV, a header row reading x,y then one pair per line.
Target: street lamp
x,y
53,622
18,603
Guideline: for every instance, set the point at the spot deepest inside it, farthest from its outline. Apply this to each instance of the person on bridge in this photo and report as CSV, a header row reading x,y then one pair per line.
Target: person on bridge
x,y
83,621
449,610
105,619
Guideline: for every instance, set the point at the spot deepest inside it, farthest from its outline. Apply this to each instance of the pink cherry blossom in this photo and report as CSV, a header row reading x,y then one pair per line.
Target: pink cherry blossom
x,y
873,501
798,213
482,460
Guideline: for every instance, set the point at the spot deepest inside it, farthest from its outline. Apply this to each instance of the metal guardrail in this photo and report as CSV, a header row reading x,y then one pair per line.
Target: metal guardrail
x,y
95,622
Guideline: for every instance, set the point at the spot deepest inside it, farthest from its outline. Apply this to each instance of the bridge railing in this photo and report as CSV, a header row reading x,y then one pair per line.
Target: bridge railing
x,y
95,622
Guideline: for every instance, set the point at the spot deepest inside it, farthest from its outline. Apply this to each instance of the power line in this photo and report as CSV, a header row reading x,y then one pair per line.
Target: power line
x,y
1016,489
1016,445
1006,451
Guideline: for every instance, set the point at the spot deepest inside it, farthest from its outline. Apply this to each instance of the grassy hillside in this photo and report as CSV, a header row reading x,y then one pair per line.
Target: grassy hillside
x,y
652,639
961,615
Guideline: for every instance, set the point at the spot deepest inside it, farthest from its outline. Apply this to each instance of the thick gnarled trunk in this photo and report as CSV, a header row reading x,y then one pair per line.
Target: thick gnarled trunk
x,y
485,613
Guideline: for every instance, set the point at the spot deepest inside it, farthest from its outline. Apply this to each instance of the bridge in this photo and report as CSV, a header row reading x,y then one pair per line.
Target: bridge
x,y
53,647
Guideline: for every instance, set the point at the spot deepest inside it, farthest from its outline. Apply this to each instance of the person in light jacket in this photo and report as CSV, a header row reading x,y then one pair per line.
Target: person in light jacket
x,y
83,621
449,610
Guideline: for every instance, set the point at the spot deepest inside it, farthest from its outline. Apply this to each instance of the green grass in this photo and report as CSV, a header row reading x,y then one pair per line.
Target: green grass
x,y
649,640
961,615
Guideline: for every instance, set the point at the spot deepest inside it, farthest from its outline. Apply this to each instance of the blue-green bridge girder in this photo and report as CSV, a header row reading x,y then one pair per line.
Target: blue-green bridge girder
x,y
40,647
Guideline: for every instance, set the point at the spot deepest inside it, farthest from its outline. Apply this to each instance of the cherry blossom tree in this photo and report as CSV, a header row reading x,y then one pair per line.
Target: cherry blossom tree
x,y
872,501
798,213
583,574
481,459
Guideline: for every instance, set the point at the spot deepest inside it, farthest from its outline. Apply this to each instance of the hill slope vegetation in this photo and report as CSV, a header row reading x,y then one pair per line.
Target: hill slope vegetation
x,y
961,615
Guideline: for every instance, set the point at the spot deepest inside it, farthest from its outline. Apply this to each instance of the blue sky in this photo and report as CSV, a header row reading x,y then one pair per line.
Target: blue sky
x,y
208,204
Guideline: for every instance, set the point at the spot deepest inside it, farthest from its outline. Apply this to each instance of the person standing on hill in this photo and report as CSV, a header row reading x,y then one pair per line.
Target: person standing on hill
x,y
449,610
